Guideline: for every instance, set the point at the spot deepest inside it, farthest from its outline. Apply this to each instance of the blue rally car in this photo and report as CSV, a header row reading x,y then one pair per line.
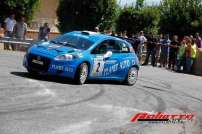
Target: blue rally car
x,y
83,55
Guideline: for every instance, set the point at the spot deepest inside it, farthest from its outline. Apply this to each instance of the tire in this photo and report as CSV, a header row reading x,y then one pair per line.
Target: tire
x,y
132,76
81,74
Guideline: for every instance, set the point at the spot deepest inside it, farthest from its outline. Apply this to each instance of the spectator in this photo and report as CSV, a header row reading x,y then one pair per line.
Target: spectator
x,y
120,34
135,42
158,47
151,49
198,40
114,33
173,53
109,31
142,40
1,31
164,51
9,26
125,34
191,52
97,29
181,55
44,32
20,29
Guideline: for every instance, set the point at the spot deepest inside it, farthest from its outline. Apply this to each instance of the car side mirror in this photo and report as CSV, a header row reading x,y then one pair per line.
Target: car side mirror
x,y
108,54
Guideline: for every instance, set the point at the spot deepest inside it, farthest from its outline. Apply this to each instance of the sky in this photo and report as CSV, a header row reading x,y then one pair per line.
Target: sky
x,y
147,2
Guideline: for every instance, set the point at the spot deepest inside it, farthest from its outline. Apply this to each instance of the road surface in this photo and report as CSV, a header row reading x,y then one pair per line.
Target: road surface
x,y
52,105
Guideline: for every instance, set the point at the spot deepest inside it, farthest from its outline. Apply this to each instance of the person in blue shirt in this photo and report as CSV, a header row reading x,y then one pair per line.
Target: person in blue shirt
x,y
164,51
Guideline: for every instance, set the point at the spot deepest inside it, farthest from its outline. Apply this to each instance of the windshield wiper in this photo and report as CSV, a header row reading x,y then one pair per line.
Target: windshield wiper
x,y
54,42
68,44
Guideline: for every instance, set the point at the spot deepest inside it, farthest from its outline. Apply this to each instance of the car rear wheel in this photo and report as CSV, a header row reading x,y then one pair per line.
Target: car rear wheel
x,y
132,76
81,74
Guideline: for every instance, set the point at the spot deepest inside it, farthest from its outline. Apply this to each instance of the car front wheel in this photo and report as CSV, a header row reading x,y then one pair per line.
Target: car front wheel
x,y
32,72
81,74
132,76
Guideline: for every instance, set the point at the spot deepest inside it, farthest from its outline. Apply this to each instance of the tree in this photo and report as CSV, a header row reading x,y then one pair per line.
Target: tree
x,y
133,20
24,8
86,14
151,19
181,17
139,4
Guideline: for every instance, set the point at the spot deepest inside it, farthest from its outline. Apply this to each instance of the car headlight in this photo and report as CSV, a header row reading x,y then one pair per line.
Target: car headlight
x,y
66,57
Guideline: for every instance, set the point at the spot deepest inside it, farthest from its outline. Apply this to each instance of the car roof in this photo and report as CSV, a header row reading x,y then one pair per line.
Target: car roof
x,y
92,36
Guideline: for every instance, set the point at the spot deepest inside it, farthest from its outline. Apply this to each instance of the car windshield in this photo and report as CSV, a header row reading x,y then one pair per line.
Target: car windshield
x,y
73,41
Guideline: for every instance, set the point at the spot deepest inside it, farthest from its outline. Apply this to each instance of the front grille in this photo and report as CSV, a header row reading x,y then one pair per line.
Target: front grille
x,y
35,62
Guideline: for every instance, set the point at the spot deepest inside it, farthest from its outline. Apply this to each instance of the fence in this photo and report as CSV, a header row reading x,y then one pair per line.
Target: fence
x,y
33,34
22,45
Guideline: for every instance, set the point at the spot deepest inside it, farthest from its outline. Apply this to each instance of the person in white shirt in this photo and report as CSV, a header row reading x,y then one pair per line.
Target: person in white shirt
x,y
142,40
20,29
9,26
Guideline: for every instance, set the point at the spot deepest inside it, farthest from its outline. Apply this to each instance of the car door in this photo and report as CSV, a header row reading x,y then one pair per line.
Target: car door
x,y
126,58
101,64
108,67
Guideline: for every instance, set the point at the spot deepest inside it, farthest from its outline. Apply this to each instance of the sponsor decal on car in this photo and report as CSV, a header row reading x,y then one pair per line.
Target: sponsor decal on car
x,y
62,68
98,66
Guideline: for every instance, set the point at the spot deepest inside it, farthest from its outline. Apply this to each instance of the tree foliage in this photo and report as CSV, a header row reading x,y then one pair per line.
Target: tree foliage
x,y
181,17
133,20
18,7
86,14
139,4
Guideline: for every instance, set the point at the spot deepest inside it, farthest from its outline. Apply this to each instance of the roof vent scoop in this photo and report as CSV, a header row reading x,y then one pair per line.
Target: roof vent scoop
x,y
88,33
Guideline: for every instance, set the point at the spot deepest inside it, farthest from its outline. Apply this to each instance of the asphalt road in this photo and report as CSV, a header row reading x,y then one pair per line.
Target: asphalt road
x,y
52,105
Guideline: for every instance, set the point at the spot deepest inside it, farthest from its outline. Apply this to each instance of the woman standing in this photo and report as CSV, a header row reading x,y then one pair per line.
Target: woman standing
x,y
191,51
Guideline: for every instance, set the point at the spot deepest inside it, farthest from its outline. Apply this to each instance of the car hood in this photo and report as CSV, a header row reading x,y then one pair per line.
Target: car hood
x,y
53,50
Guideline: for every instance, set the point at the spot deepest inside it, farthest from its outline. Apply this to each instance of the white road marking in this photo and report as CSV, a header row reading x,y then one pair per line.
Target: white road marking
x,y
77,128
45,91
109,107
121,114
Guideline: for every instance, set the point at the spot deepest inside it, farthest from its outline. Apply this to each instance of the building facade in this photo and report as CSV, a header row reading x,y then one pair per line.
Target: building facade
x,y
46,13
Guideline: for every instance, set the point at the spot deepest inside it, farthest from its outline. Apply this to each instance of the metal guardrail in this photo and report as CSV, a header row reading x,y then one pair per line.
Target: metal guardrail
x,y
26,42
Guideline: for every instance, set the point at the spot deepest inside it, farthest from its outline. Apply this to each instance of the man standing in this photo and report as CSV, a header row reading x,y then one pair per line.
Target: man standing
x,y
151,49
9,26
44,32
173,52
142,39
20,29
